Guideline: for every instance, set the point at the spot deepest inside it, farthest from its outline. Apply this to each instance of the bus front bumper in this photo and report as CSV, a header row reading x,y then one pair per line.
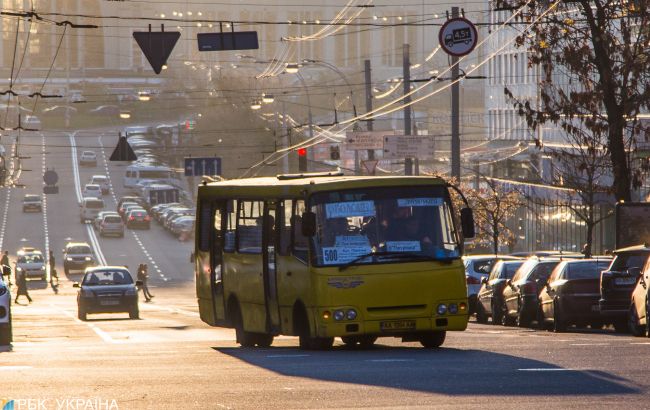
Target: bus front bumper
x,y
398,328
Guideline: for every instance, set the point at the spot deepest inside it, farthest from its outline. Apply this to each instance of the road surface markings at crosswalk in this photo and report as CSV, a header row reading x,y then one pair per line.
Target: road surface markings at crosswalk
x,y
548,369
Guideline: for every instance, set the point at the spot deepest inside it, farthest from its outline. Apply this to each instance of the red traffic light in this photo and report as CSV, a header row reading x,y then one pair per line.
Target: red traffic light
x,y
302,152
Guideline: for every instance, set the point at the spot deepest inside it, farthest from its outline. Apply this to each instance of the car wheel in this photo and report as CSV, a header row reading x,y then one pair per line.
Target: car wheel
x,y
497,313
621,326
559,325
596,325
506,319
350,341
367,341
481,316
633,325
522,320
134,313
433,340
263,340
66,270
81,314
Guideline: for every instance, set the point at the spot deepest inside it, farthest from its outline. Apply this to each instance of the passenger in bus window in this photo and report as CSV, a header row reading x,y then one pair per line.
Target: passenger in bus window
x,y
410,231
334,227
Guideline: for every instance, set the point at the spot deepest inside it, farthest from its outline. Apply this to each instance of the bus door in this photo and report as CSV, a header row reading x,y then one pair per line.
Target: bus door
x,y
209,260
270,247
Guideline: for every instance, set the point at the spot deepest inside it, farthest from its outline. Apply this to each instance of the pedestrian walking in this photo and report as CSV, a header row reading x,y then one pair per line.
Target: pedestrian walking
x,y
21,282
6,269
142,277
53,273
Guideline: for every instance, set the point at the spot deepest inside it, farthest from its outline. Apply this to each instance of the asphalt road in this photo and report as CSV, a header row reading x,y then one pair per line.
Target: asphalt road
x,y
170,359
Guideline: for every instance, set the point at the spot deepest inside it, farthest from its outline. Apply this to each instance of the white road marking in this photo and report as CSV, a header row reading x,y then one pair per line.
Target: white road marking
x,y
44,212
640,343
3,227
589,344
13,368
279,356
105,336
390,360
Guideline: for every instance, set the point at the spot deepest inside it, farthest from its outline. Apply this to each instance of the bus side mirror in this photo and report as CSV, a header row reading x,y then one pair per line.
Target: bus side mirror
x,y
467,222
308,224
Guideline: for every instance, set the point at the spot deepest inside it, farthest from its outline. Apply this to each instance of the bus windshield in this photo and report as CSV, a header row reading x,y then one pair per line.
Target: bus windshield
x,y
154,174
383,225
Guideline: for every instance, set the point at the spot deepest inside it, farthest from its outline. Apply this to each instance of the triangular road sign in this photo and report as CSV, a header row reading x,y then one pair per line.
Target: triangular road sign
x,y
370,165
156,46
123,151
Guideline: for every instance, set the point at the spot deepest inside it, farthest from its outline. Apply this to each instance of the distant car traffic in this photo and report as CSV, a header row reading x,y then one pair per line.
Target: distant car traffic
x,y
124,206
107,289
570,297
490,297
92,191
89,208
137,218
77,256
478,267
32,203
88,158
111,224
103,182
32,122
100,217
5,314
618,282
31,263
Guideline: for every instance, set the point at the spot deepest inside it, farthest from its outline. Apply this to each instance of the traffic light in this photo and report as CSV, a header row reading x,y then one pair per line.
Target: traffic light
x,y
335,152
302,159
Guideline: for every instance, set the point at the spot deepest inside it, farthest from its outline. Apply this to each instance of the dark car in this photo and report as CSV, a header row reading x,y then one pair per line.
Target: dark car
x,y
107,289
490,296
138,218
571,295
617,284
521,292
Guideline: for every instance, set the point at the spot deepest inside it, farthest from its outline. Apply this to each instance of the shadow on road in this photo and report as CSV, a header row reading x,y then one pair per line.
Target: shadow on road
x,y
445,371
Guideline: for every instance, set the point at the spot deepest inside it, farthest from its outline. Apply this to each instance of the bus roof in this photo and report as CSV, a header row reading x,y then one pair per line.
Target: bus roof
x,y
148,167
294,186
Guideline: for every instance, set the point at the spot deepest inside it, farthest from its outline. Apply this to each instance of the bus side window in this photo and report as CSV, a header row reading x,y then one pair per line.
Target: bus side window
x,y
229,235
249,227
205,225
300,242
284,224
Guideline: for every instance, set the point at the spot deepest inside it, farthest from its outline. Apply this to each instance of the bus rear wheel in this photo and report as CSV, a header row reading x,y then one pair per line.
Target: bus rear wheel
x,y
433,340
263,340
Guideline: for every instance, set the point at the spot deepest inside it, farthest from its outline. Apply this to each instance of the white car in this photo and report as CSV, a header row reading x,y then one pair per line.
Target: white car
x,y
32,122
102,181
88,158
31,263
5,314
89,208
92,191
478,267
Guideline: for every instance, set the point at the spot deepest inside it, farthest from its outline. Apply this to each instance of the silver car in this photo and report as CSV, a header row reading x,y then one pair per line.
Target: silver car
x,y
111,224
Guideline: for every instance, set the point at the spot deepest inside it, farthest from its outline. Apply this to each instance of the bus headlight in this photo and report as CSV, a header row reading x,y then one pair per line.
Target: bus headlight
x,y
352,314
442,309
453,308
339,315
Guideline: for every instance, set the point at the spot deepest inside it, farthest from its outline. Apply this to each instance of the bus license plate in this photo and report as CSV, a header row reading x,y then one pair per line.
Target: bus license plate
x,y
397,325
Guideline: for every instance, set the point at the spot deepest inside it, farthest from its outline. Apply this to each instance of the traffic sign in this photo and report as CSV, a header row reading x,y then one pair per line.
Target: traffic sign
x,y
240,40
123,151
458,36
408,146
50,177
363,140
196,167
370,165
156,46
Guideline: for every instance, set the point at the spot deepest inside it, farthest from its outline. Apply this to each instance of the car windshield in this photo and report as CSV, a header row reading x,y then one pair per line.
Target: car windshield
x,y
96,204
79,250
32,198
107,278
483,266
31,259
586,270
113,219
509,269
389,224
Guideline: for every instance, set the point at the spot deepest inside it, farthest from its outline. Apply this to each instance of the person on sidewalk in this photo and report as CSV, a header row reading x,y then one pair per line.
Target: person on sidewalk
x,y
21,282
53,274
6,268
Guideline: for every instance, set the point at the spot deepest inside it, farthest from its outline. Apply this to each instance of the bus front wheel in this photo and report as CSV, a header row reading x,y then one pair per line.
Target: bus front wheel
x,y
433,340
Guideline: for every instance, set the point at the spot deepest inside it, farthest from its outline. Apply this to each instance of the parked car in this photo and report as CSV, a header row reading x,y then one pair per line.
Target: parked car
x,y
520,295
638,320
107,289
570,297
175,215
156,211
88,158
182,224
478,267
617,284
138,218
111,224
490,297
6,336
32,203
89,208
92,191
103,182
77,256
31,263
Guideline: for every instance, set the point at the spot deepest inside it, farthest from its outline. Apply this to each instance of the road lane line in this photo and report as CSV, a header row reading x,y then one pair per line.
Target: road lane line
x,y
44,212
589,344
104,336
390,360
13,368
548,369
280,356
4,218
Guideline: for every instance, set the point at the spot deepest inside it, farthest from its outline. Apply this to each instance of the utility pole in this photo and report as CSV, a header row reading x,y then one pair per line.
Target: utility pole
x,y
369,123
455,112
285,138
408,162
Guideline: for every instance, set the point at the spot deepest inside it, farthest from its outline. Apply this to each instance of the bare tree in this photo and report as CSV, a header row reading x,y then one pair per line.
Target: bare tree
x,y
594,57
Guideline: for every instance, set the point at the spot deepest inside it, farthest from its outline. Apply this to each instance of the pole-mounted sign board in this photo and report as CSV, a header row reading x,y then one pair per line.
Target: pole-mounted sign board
x,y
363,140
196,167
228,41
156,46
408,146
458,36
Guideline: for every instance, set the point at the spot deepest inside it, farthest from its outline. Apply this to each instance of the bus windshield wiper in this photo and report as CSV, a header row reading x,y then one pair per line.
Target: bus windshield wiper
x,y
406,255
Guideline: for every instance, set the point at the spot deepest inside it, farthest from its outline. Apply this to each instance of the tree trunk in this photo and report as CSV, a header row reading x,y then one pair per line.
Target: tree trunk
x,y
495,240
590,238
621,170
